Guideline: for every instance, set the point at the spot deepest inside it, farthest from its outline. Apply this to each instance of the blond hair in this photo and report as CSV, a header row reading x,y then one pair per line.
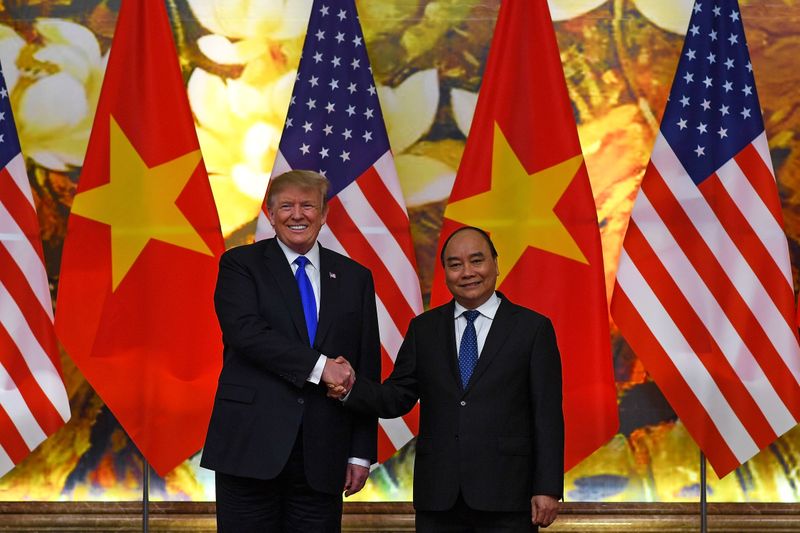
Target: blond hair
x,y
303,179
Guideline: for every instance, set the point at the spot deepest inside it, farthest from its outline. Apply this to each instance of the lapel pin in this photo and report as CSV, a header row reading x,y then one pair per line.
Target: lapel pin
x,y
332,275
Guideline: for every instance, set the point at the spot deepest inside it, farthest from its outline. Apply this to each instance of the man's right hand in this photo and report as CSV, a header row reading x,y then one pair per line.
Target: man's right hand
x,y
338,375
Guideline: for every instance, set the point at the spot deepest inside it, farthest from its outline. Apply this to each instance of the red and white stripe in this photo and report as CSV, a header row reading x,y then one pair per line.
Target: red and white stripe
x,y
33,400
368,222
704,296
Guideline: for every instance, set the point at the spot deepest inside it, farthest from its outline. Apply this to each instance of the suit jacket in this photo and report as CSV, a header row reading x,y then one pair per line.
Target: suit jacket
x,y
501,440
263,396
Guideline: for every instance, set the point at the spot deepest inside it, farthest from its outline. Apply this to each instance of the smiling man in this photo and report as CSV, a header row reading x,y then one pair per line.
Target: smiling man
x,y
289,309
487,374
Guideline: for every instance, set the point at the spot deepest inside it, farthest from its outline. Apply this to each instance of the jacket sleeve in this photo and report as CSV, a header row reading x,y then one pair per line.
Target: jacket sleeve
x,y
546,406
364,442
398,394
248,333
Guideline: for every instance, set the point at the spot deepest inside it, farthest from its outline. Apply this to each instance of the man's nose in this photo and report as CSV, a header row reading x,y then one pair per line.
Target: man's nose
x,y
297,211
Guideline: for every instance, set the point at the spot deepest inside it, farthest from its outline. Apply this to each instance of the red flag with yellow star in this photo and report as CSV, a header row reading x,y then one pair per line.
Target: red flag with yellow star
x,y
522,178
134,308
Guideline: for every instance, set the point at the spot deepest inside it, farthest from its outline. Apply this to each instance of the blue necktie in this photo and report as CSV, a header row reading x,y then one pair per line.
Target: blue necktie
x,y
306,297
468,352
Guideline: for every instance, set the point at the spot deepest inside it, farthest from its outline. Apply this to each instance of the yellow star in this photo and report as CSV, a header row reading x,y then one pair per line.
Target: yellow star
x,y
518,211
138,202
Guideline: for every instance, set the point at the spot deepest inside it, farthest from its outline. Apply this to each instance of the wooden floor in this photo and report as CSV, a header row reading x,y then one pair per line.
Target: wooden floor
x,y
87,517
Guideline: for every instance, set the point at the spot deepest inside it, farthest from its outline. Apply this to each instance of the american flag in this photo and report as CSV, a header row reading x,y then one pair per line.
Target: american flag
x,y
704,286
33,400
335,126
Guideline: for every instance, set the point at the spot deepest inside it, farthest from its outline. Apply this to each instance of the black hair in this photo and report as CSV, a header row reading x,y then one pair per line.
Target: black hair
x,y
473,228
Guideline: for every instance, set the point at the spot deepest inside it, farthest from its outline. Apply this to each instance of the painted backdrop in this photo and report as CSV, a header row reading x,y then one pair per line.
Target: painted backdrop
x,y
239,59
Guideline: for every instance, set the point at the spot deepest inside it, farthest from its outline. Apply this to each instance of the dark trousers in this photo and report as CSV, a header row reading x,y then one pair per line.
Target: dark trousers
x,y
463,519
286,504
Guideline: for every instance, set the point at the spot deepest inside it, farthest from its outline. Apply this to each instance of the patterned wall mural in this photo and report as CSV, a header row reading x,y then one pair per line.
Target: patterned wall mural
x,y
239,59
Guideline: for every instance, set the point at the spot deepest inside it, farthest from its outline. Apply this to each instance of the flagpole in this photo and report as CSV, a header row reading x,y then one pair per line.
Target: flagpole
x,y
145,494
703,502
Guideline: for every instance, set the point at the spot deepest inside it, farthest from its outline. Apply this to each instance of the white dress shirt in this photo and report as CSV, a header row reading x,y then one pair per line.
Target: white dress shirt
x,y
312,271
483,322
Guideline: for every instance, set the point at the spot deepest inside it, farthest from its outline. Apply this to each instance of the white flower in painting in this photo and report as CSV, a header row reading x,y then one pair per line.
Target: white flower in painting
x,y
424,179
10,46
567,9
420,93
672,16
668,15
55,83
239,128
242,29
463,103
430,180
239,121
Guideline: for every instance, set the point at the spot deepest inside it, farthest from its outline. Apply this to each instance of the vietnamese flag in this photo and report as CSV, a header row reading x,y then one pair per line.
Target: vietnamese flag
x,y
522,178
134,308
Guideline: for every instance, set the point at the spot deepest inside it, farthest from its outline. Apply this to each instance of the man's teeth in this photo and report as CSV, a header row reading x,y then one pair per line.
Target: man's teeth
x,y
298,227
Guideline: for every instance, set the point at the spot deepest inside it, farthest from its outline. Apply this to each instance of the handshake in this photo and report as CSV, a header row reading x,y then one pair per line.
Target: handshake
x,y
339,376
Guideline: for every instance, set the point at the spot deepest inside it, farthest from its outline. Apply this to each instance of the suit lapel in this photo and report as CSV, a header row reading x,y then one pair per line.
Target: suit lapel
x,y
501,327
448,326
279,268
329,292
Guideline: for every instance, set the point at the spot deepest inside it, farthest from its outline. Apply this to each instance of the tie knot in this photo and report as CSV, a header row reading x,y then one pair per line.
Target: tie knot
x,y
301,261
471,315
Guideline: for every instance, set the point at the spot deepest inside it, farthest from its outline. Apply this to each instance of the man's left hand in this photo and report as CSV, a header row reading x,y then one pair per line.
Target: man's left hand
x,y
355,478
544,510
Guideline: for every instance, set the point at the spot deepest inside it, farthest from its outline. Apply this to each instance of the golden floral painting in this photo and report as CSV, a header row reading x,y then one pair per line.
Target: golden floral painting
x,y
239,60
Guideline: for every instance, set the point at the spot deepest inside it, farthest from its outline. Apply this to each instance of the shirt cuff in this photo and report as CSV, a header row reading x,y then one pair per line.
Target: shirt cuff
x,y
316,374
346,396
358,461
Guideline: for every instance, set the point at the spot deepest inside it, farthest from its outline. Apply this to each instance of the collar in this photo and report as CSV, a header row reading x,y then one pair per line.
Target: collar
x,y
312,255
487,308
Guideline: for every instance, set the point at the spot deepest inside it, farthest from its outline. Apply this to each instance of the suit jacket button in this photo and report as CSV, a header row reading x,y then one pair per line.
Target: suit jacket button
x,y
300,401
463,403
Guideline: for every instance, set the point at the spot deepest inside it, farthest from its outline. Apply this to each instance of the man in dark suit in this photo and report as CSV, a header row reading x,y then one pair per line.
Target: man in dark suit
x,y
282,450
487,373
